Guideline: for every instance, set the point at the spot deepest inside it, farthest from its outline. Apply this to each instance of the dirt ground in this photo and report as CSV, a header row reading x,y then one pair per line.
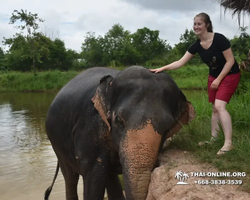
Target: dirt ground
x,y
164,181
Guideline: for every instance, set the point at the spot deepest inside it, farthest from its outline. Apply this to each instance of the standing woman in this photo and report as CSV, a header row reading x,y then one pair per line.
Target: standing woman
x,y
224,75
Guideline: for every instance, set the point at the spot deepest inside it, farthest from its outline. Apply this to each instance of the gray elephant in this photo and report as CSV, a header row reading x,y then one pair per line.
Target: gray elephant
x,y
106,122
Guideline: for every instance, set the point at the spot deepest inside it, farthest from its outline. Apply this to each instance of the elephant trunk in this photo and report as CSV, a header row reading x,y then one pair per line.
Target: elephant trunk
x,y
138,154
137,187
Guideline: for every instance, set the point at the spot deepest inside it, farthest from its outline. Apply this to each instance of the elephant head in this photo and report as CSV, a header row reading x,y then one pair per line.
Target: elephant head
x,y
141,109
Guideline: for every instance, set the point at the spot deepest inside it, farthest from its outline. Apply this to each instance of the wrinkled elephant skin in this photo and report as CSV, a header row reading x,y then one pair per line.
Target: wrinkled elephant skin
x,y
106,122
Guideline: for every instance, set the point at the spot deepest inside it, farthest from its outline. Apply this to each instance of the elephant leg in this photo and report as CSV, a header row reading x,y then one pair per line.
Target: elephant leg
x,y
114,187
94,183
71,180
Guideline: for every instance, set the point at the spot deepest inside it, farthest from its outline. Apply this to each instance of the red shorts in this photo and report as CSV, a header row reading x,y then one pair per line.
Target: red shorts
x,y
226,88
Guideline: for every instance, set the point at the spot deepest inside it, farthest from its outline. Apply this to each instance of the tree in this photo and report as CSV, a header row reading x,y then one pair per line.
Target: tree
x,y
18,56
118,47
148,43
92,50
115,48
186,39
241,45
237,6
29,22
2,59
178,175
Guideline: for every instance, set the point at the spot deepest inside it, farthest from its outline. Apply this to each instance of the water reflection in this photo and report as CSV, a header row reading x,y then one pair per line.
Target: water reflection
x,y
27,161
17,130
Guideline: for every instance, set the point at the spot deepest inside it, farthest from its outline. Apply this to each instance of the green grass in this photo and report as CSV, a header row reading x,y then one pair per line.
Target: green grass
x,y
54,80
44,81
187,77
198,130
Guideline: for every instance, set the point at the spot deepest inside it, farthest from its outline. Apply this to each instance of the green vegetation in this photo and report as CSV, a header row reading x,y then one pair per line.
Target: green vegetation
x,y
187,77
191,76
35,51
27,82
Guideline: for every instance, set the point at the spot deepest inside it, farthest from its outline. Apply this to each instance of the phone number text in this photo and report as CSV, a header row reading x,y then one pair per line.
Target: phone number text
x,y
219,182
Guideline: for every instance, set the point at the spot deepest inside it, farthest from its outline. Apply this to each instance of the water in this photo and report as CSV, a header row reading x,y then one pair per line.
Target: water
x,y
27,161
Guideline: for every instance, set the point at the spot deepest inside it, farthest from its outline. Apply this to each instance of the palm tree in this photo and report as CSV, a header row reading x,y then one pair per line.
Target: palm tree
x,y
185,177
237,6
178,175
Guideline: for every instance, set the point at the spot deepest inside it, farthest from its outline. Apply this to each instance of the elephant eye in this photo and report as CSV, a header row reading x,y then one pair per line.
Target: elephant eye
x,y
119,120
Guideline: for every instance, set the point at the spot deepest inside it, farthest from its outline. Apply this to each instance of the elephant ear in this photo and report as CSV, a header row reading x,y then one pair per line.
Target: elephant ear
x,y
185,114
189,107
102,98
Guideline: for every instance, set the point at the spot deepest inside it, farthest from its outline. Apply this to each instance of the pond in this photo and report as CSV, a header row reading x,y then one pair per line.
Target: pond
x,y
27,160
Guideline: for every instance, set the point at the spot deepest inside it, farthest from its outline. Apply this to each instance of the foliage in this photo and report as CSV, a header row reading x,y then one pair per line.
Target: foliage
x,y
2,60
119,47
183,76
186,40
241,45
31,25
148,43
187,77
237,6
43,81
35,50
59,57
92,50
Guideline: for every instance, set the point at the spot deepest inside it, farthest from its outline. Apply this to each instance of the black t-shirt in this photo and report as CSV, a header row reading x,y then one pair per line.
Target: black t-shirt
x,y
213,56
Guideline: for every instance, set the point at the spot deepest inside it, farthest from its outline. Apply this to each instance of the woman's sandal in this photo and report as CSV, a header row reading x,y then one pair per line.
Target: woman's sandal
x,y
211,141
224,151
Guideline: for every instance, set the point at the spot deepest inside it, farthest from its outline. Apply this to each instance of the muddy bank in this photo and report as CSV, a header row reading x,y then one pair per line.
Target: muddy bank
x,y
164,180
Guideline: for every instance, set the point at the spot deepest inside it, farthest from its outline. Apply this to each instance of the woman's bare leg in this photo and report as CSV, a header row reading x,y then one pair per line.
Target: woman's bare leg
x,y
225,121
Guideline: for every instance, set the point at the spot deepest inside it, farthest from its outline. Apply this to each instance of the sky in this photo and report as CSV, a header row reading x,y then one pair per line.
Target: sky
x,y
70,20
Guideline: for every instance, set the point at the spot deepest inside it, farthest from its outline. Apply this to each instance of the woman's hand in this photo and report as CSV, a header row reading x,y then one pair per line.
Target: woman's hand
x,y
156,70
215,84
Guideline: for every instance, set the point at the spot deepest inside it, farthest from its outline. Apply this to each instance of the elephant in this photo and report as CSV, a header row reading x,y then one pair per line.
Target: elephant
x,y
106,122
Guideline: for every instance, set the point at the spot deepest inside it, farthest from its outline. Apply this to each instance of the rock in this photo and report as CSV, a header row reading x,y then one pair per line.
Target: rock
x,y
164,185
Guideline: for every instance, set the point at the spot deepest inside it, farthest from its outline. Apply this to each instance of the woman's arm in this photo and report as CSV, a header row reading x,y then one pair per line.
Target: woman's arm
x,y
174,65
228,54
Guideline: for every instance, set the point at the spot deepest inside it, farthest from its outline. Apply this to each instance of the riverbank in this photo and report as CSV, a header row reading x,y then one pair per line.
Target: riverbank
x,y
27,82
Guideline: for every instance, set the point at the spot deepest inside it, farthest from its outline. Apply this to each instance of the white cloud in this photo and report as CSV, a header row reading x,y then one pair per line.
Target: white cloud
x,y
70,20
175,5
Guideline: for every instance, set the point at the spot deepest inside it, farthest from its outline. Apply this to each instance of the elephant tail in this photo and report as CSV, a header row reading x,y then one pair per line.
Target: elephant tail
x,y
47,192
